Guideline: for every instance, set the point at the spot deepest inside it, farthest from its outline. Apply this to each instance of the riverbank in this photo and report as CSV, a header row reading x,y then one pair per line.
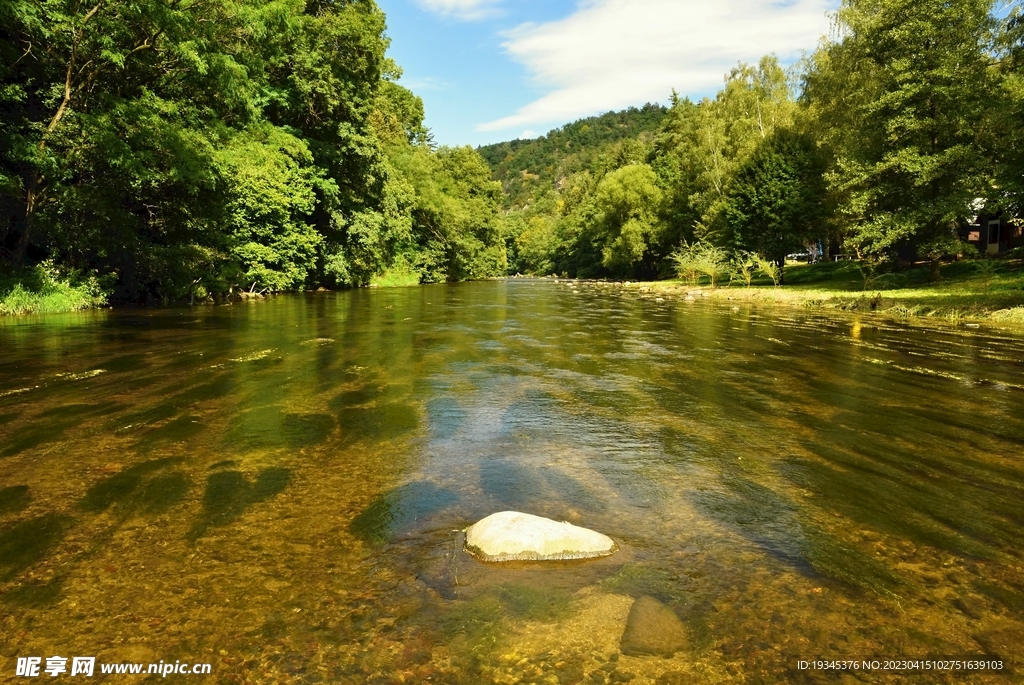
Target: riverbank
x,y
987,290
41,289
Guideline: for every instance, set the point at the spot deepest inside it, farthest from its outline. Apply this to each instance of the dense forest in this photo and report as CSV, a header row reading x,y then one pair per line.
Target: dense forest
x,y
176,151
885,142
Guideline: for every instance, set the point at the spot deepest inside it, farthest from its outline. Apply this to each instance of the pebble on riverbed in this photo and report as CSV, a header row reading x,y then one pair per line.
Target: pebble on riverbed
x,y
652,629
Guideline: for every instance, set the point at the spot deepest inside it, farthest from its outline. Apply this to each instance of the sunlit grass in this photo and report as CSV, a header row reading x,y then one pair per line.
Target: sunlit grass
x,y
976,289
401,274
41,290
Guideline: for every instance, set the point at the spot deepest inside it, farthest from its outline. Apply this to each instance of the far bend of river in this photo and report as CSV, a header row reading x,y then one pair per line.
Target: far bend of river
x,y
279,488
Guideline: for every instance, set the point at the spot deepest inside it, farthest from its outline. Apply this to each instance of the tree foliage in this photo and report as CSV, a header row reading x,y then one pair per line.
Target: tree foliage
x,y
204,146
177,150
908,84
888,139
776,202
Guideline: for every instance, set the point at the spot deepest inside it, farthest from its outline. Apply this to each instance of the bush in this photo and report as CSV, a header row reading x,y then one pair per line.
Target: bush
x,y
44,289
700,259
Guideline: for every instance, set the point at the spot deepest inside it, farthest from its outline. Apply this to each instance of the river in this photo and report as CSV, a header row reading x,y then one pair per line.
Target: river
x,y
277,488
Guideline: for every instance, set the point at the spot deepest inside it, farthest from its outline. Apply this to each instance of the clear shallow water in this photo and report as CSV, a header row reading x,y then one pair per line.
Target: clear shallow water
x,y
278,488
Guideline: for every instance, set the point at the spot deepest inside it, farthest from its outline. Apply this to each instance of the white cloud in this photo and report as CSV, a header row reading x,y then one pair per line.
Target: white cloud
x,y
426,83
527,134
611,54
466,10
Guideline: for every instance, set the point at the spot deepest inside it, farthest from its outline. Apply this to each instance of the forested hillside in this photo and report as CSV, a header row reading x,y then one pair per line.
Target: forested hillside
x,y
526,166
173,151
889,139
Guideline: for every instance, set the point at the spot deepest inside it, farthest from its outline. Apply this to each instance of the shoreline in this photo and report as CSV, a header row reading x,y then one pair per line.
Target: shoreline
x,y
930,305
927,304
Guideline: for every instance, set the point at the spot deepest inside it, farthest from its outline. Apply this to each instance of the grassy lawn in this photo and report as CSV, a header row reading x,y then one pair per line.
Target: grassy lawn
x,y
979,289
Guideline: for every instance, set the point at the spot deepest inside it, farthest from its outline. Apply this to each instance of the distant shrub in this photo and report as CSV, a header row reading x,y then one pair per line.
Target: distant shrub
x,y
692,261
43,289
1014,315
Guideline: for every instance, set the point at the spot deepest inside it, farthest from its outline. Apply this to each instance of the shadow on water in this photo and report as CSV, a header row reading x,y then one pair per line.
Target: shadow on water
x,y
229,494
355,398
638,579
770,521
378,422
446,416
221,386
483,618
136,489
13,499
7,418
176,430
125,362
515,486
270,427
52,423
69,411
26,543
969,516
396,510
35,594
306,430
153,414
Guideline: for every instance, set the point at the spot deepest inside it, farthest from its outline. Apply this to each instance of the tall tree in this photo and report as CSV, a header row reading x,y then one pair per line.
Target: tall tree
x,y
702,146
1005,131
627,203
904,91
777,200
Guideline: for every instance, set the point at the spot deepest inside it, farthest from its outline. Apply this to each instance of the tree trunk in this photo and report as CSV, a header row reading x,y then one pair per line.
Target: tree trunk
x,y
936,272
23,225
781,263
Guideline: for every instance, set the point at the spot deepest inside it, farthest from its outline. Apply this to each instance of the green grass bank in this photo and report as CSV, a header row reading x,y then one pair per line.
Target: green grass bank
x,y
983,289
42,289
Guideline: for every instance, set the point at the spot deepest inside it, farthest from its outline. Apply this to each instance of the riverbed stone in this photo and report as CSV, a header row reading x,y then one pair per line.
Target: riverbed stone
x,y
652,629
515,536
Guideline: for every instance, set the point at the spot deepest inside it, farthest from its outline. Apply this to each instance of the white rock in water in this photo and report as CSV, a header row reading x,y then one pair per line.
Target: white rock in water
x,y
513,536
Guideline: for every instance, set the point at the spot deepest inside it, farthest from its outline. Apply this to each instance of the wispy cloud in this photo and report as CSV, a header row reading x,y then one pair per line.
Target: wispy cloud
x,y
426,83
613,53
465,10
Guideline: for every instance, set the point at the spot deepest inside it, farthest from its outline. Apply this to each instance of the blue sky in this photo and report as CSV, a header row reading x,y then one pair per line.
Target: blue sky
x,y
493,70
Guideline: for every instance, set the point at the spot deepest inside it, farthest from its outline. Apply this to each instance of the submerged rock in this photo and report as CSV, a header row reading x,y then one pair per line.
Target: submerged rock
x,y
514,536
652,629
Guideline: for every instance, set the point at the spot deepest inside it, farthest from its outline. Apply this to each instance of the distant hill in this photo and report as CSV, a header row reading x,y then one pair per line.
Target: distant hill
x,y
523,165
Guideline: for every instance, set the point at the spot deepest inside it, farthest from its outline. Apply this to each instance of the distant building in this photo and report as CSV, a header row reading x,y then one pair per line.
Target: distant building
x,y
993,234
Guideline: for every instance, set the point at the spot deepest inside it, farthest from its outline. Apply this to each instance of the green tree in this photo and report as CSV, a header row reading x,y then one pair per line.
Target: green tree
x,y
904,92
1004,135
627,202
271,244
777,200
457,229
702,145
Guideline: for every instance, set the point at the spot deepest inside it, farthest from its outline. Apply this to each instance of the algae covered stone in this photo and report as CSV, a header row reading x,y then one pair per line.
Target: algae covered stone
x,y
652,629
514,536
